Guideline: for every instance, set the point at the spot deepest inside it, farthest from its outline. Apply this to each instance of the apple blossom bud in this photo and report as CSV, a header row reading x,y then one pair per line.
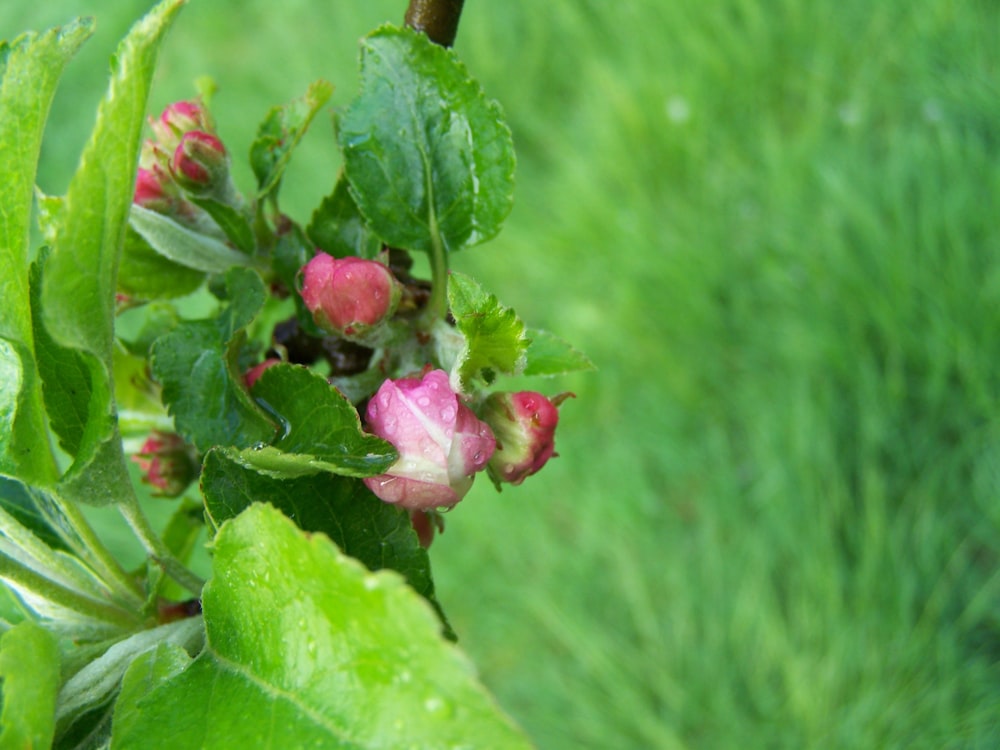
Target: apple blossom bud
x,y
524,424
200,163
155,190
179,118
251,376
349,296
168,462
441,443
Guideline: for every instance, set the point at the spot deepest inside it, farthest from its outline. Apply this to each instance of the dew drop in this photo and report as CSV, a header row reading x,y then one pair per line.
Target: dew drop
x,y
448,413
370,583
390,426
424,401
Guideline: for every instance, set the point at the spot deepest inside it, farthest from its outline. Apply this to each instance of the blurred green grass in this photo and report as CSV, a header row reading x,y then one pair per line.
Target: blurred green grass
x,y
773,225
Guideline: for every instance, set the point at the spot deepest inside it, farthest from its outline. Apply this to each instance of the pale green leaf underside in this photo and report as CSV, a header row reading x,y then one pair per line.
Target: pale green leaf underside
x,y
185,246
429,158
29,670
306,648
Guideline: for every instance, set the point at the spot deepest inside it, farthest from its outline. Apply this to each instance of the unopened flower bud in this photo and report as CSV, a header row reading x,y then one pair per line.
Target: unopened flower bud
x,y
524,424
441,443
349,296
168,463
180,118
200,163
155,190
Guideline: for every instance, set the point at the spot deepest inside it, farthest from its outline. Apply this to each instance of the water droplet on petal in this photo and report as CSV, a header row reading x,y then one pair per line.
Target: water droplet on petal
x,y
448,413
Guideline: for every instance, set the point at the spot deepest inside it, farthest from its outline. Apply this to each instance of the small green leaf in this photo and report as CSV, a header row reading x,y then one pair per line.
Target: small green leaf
x,y
429,158
21,505
280,133
196,363
185,246
338,228
550,355
495,338
145,274
378,534
321,430
307,648
29,668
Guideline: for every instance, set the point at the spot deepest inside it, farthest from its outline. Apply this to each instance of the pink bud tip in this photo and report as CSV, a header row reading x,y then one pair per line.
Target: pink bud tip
x,y
253,374
167,462
524,424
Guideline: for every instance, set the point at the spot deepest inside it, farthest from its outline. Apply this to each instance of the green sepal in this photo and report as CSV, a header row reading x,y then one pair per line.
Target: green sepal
x,y
280,133
429,158
495,337
197,365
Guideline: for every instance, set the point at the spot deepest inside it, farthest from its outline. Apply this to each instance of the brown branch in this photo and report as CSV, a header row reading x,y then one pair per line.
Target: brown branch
x,y
436,18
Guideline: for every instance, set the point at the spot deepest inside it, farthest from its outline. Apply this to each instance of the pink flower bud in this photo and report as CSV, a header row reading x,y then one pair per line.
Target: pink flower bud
x,y
180,118
349,296
441,443
251,375
168,462
154,190
200,163
524,424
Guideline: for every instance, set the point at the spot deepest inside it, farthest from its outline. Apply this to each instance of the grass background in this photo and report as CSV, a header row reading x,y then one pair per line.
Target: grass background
x,y
774,521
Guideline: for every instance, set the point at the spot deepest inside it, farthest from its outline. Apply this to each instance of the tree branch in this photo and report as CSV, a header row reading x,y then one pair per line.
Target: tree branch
x,y
436,18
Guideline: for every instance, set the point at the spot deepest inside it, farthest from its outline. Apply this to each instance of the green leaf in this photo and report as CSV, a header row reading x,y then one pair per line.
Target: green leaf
x,y
185,246
429,158
20,504
78,287
495,338
378,534
307,648
145,274
29,668
550,355
280,133
30,69
321,430
231,221
339,229
292,251
196,363
146,672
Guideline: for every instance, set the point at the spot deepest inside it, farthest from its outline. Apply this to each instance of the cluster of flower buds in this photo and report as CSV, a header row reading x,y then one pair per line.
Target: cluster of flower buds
x,y
184,158
168,464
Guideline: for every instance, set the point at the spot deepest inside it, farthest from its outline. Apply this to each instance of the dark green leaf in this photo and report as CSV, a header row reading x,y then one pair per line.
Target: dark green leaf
x,y
29,669
495,338
321,430
30,69
378,534
307,648
280,133
16,500
292,251
429,158
550,355
196,363
186,246
338,228
145,274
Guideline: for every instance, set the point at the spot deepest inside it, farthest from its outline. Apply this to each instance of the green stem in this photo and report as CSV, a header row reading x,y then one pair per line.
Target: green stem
x,y
22,576
96,554
437,305
156,548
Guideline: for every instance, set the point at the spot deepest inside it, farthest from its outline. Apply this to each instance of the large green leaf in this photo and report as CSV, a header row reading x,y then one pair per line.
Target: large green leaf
x,y
78,286
29,668
378,534
495,337
307,648
196,363
321,430
29,72
429,158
